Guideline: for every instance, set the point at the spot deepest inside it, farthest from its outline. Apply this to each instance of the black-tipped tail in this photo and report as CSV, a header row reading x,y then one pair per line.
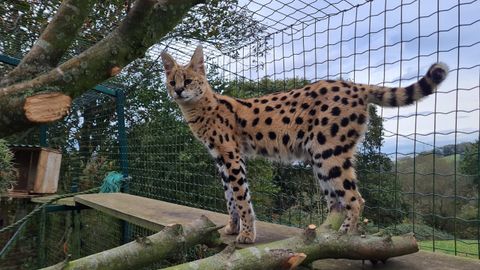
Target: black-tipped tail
x,y
393,97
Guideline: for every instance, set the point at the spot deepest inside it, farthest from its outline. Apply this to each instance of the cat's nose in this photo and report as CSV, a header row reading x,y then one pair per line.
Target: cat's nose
x,y
179,91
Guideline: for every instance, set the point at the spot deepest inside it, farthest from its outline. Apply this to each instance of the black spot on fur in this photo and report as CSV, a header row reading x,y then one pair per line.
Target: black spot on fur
x,y
256,111
300,134
347,184
353,117
324,107
347,164
255,121
361,119
344,122
259,136
327,153
241,181
324,121
323,91
272,135
299,120
227,104
321,138
338,150
268,121
244,103
334,129
285,139
336,111
334,172
268,109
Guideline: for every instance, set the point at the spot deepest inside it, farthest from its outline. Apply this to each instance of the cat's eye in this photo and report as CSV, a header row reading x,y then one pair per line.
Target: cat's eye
x,y
172,83
187,82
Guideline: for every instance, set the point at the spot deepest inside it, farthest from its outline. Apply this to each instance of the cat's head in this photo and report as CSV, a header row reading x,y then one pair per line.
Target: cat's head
x,y
186,84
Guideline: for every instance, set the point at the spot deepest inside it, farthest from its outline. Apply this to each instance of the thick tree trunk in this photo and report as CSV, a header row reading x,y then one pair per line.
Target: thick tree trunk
x,y
324,242
167,243
52,43
147,22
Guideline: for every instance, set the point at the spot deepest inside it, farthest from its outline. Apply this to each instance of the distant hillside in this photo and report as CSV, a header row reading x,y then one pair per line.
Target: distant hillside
x,y
449,150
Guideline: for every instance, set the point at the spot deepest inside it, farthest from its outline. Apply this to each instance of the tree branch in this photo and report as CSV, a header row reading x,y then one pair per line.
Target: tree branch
x,y
145,251
147,21
314,244
52,43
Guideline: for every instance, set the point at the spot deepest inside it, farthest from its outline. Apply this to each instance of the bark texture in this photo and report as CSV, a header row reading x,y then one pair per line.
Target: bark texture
x,y
314,244
52,43
147,22
146,251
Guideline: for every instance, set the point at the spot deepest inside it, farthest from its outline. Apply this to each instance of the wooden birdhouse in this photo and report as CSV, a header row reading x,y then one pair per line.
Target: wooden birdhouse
x,y
38,169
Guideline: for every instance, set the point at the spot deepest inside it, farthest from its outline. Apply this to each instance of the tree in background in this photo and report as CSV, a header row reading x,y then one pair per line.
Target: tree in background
x,y
469,162
384,205
7,171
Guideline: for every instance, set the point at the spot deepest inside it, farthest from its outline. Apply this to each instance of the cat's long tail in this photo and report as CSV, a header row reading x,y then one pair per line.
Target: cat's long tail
x,y
393,97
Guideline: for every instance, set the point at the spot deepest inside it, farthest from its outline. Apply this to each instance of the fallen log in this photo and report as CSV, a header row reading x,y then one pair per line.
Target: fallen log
x,y
167,243
314,244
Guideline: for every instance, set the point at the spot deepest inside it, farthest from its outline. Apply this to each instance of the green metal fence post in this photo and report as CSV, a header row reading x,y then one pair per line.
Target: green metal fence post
x,y
122,135
122,141
41,239
43,135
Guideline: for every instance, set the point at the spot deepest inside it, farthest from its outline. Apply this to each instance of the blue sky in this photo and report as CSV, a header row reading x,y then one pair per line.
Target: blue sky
x,y
383,42
392,53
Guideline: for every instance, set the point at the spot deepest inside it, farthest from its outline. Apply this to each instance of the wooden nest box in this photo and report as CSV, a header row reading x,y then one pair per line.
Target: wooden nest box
x,y
38,169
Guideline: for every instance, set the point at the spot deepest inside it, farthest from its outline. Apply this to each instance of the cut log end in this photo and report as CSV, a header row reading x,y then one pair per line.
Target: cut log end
x,y
295,260
310,232
47,107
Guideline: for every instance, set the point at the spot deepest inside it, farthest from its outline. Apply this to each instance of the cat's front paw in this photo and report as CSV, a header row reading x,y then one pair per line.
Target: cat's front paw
x,y
246,237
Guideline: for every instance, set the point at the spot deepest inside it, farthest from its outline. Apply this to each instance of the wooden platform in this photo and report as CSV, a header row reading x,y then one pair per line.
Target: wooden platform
x,y
154,214
64,201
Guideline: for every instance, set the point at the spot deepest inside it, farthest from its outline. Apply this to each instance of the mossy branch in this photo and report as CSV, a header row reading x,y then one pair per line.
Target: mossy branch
x,y
145,24
146,251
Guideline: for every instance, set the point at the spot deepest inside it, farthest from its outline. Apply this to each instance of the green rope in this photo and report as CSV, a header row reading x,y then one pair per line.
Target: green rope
x,y
40,207
112,182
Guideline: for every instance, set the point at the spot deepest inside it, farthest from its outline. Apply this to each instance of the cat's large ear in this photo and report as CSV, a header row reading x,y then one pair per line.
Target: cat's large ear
x,y
196,63
168,62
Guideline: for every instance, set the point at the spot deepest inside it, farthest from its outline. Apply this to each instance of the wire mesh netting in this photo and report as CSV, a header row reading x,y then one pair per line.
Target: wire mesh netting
x,y
423,176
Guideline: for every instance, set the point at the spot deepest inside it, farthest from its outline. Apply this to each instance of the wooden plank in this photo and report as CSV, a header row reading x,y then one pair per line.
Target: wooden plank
x,y
154,214
64,201
422,260
16,194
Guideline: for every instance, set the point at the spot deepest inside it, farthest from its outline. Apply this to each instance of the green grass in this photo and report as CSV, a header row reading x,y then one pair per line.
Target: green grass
x,y
465,248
